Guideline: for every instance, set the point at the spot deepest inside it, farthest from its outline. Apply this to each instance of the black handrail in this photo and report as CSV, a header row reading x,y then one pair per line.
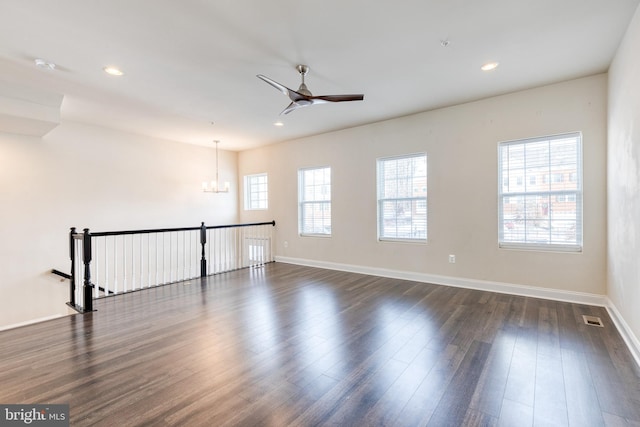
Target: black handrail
x,y
170,230
61,274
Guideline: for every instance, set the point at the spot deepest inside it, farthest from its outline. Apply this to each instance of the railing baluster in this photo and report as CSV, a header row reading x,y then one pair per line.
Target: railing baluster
x,y
217,253
157,260
184,256
133,263
72,256
124,263
265,242
96,257
164,277
228,244
79,269
141,263
106,266
115,264
86,259
270,235
224,244
261,241
243,255
236,236
170,257
190,255
203,242
148,260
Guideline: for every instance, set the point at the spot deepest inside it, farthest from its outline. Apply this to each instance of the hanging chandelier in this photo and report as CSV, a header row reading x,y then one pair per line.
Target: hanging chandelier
x,y
214,187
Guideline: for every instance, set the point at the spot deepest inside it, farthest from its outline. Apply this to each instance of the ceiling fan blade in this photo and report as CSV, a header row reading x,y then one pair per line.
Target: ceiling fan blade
x,y
292,94
295,105
290,108
336,98
285,90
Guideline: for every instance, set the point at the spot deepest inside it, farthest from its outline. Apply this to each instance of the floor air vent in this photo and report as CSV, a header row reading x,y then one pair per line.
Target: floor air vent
x,y
592,320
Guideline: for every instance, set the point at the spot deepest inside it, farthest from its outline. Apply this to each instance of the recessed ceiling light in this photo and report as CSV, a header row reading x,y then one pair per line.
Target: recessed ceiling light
x,y
489,66
114,71
279,124
45,65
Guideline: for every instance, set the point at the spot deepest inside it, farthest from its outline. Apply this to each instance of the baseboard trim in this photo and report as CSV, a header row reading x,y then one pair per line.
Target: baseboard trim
x,y
627,334
482,285
30,322
505,288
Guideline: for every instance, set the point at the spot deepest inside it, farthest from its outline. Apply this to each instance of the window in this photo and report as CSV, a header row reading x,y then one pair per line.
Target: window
x,y
256,194
314,200
402,198
546,215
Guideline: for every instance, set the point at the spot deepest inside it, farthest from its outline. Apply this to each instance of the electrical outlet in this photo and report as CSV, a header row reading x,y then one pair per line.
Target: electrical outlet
x,y
286,244
452,259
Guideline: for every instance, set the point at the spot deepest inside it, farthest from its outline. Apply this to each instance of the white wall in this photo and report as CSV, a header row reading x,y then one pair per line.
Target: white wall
x,y
461,144
85,176
623,180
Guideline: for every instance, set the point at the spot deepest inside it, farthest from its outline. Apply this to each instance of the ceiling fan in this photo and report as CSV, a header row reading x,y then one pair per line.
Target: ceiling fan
x,y
303,97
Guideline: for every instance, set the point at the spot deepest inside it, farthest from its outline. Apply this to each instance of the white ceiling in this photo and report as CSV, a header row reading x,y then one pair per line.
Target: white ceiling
x,y
191,62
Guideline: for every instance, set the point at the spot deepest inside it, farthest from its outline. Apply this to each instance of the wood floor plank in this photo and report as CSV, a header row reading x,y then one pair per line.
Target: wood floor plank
x,y
385,412
477,418
583,407
287,345
515,414
367,394
489,393
454,404
550,408
520,385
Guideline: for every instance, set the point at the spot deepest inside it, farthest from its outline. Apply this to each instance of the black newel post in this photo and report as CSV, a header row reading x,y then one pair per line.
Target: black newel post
x,y
72,281
203,242
86,258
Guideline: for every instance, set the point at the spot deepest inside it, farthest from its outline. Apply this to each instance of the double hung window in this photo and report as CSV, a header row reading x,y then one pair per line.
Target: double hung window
x,y
540,193
402,197
314,201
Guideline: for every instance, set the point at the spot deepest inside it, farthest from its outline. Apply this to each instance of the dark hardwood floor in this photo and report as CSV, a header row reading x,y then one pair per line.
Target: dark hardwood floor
x,y
289,345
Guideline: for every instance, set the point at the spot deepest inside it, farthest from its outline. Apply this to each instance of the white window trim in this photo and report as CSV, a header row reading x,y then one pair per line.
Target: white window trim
x,y
247,192
302,202
380,201
546,247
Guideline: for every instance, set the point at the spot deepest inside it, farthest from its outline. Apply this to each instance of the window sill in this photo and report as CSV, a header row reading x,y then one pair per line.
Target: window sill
x,y
392,240
541,247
